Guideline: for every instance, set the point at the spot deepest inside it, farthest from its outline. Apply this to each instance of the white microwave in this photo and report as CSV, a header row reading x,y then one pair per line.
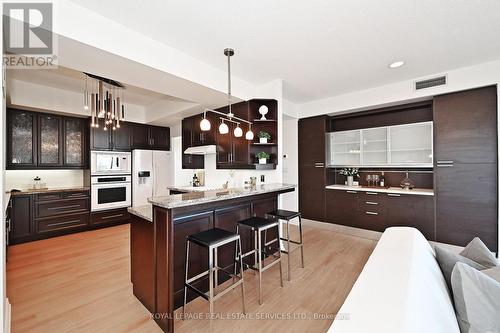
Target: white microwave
x,y
110,163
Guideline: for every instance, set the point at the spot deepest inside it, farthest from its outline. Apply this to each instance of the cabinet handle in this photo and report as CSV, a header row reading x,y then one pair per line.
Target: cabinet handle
x,y
444,162
61,223
111,216
371,213
372,193
63,207
371,203
353,192
393,195
444,165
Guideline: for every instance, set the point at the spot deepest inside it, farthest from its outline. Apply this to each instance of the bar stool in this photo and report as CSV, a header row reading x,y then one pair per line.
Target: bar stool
x,y
287,215
259,225
212,239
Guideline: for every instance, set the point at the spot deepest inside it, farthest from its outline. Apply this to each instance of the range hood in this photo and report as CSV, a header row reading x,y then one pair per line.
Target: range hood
x,y
201,150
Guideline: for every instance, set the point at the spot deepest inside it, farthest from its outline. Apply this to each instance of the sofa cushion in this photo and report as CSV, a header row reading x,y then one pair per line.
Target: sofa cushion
x,y
476,250
493,273
447,260
477,299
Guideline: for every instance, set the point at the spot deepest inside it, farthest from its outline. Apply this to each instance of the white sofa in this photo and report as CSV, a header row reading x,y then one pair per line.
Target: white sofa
x,y
401,289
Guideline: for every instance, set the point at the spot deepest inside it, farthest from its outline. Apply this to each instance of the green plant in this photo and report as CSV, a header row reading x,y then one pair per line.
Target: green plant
x,y
262,154
264,135
349,172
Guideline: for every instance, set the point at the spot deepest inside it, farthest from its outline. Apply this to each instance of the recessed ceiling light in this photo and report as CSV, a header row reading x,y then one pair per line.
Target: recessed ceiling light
x,y
397,64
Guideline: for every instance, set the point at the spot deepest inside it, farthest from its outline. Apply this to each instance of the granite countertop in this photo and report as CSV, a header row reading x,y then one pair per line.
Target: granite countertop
x,y
145,212
50,190
395,190
195,188
195,198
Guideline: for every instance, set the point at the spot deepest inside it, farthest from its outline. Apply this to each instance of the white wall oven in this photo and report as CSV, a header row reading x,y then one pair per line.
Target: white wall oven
x,y
110,192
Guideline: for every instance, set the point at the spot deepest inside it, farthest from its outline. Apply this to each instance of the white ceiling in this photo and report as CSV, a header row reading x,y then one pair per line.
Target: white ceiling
x,y
320,48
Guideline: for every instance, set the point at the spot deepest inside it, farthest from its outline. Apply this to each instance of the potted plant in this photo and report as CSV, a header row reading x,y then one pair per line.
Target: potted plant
x,y
350,173
263,157
264,136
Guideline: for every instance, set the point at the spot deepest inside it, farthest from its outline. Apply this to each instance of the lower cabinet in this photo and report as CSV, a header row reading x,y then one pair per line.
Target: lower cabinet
x,y
45,215
377,211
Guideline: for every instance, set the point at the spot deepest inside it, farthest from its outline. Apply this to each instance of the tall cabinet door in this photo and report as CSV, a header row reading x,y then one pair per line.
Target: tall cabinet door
x,y
74,142
21,143
465,167
311,141
49,140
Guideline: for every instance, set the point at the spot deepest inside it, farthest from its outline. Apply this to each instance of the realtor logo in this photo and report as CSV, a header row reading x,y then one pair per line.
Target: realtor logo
x,y
28,38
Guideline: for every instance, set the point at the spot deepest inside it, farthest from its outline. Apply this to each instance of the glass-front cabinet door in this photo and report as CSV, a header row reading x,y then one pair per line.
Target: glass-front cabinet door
x,y
21,150
344,148
74,142
374,146
49,140
411,144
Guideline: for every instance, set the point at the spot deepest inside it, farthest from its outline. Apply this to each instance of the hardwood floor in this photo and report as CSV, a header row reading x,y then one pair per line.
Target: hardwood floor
x,y
81,283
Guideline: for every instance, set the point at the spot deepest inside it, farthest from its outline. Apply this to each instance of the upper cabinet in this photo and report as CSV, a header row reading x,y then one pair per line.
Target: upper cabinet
x,y
188,133
21,139
130,136
466,126
40,140
408,145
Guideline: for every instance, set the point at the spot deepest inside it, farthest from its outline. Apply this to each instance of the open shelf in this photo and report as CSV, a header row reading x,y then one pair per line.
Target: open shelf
x,y
264,144
268,166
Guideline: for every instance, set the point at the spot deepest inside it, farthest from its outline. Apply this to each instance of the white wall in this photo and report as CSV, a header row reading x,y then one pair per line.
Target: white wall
x,y
22,179
291,162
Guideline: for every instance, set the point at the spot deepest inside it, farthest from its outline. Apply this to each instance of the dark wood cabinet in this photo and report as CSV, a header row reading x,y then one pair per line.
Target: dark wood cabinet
x,y
466,171
342,207
312,173
21,139
465,126
190,161
75,143
41,140
466,204
412,211
121,137
50,150
140,136
160,137
99,138
183,227
110,216
21,218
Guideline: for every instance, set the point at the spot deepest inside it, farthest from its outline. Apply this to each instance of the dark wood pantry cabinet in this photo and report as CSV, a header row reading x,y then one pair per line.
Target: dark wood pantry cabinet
x,y
41,140
465,168
312,173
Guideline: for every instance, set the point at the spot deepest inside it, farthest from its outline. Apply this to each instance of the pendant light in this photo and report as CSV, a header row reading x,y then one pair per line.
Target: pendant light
x,y
238,132
249,133
205,123
223,128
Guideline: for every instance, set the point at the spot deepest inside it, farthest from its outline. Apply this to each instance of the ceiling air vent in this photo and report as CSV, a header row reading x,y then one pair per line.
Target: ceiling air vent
x,y
429,83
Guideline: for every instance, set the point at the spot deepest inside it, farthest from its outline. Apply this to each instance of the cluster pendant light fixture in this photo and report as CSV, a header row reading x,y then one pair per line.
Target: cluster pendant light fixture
x,y
205,124
104,98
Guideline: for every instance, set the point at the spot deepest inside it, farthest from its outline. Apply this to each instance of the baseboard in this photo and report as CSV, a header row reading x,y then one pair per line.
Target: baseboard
x,y
363,233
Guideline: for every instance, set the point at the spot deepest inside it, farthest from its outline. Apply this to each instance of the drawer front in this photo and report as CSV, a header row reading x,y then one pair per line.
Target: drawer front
x,y
75,195
61,223
110,216
54,208
48,196
372,220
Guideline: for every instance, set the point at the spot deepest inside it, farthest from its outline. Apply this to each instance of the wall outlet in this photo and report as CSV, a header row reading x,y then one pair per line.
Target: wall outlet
x,y
262,178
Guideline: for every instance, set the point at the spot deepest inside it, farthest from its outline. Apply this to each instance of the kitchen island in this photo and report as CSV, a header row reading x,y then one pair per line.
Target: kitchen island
x,y
158,240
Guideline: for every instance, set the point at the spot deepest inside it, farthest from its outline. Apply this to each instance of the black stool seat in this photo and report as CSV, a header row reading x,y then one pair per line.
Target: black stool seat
x,y
211,236
283,214
257,222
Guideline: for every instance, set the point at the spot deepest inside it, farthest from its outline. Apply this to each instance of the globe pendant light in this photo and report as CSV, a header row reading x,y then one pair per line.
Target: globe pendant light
x,y
205,124
249,133
238,132
223,128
